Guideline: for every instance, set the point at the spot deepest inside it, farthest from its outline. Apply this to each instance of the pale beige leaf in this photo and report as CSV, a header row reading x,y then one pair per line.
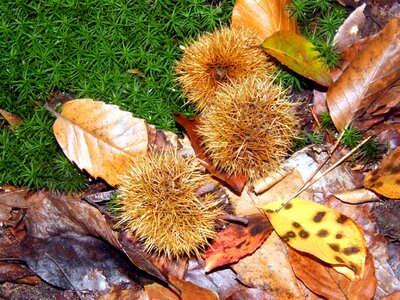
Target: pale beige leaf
x,y
100,138
357,196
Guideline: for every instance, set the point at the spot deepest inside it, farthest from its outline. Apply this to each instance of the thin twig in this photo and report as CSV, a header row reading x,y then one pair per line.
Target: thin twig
x,y
65,275
311,182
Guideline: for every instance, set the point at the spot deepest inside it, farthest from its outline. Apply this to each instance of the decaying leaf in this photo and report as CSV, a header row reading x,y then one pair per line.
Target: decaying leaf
x,y
56,223
367,77
189,290
235,181
269,269
263,17
386,178
237,241
299,54
100,138
12,119
323,280
321,231
357,196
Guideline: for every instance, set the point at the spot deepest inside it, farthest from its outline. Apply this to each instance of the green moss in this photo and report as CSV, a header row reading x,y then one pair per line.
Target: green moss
x,y
86,48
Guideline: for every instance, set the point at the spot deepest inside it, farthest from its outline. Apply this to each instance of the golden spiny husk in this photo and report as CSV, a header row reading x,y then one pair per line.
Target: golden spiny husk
x,y
249,128
158,203
223,56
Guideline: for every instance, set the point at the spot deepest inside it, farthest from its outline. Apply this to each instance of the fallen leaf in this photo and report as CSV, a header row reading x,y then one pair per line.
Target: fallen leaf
x,y
189,290
237,241
350,31
323,280
368,76
386,178
269,269
321,231
263,17
392,296
12,272
53,219
100,138
12,119
222,281
299,54
236,182
357,196
250,294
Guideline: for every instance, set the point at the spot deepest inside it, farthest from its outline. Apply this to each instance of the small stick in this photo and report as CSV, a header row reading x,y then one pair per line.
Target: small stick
x,y
232,218
311,182
65,275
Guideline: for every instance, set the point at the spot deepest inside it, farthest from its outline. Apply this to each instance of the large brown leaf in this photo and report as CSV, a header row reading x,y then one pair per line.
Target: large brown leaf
x,y
367,78
100,138
325,281
263,17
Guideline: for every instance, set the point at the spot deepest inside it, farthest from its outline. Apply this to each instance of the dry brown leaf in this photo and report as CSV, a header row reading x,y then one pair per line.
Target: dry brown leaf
x,y
269,269
100,138
385,180
367,77
263,17
12,119
357,196
392,296
189,290
323,280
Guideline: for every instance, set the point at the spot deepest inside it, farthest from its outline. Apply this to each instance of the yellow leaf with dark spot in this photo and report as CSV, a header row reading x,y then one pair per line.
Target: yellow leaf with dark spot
x,y
321,231
385,180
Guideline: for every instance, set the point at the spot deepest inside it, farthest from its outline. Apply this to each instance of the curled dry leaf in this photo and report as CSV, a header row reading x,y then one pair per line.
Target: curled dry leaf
x,y
269,269
323,280
263,17
12,119
385,179
237,241
357,196
100,138
367,77
299,54
189,290
321,231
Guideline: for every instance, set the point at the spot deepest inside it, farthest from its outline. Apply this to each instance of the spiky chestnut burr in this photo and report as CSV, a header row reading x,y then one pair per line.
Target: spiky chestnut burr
x,y
249,128
221,57
159,203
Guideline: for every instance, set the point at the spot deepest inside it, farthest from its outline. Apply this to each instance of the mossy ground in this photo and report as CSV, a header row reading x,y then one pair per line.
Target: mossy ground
x,y
86,48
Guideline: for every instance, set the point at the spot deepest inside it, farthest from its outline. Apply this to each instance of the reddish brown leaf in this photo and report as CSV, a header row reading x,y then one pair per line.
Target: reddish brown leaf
x,y
368,76
13,120
237,241
189,290
236,182
323,280
264,17
392,296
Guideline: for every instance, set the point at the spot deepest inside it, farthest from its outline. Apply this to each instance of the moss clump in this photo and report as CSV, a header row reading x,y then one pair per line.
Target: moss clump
x,y
86,48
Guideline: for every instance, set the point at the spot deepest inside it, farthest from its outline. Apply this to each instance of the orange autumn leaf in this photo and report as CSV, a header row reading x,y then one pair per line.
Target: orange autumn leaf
x,y
100,138
322,232
386,178
12,119
323,280
189,291
237,241
263,17
235,181
368,76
